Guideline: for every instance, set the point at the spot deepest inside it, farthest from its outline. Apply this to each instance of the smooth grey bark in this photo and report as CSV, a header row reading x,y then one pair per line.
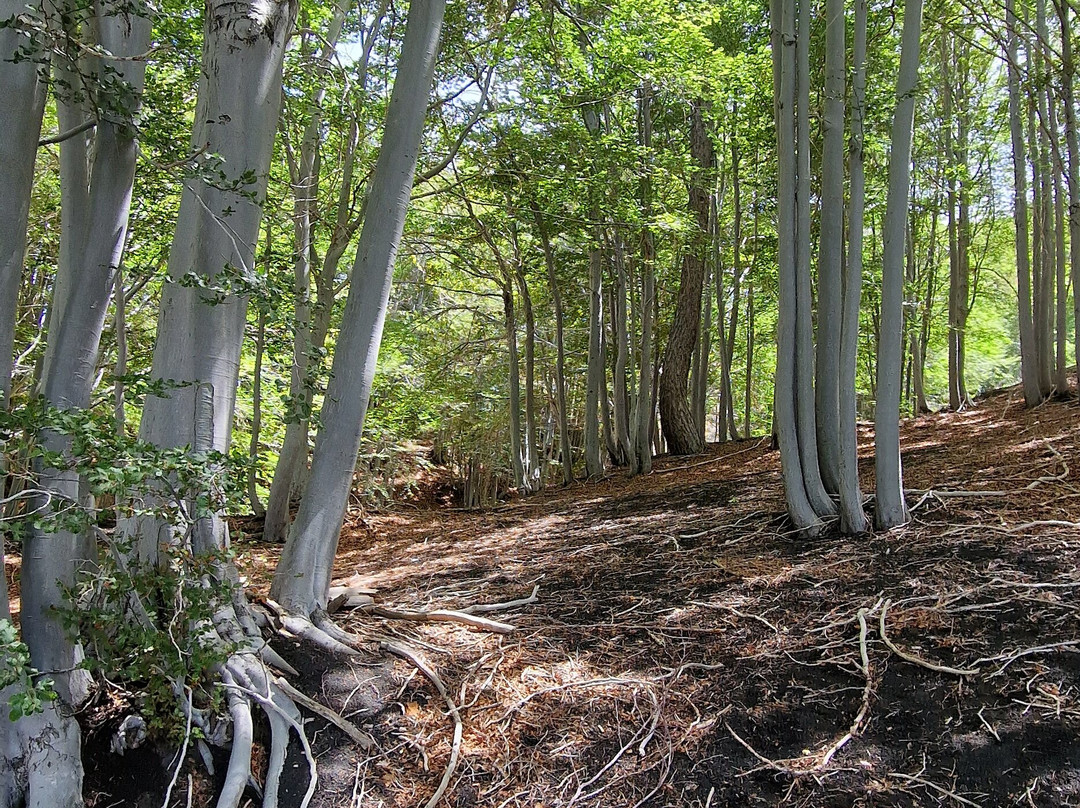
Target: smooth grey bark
x,y
199,332
801,512
1068,75
304,176
302,579
1028,362
641,462
621,338
890,508
806,416
676,417
514,381
852,516
533,479
594,382
830,252
748,392
24,88
566,450
1043,224
1061,376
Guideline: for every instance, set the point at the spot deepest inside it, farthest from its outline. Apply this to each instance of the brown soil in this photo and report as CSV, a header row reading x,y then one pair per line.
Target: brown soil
x,y
685,649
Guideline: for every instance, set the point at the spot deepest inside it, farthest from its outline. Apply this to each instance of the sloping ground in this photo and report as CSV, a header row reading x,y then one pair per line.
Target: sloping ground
x,y
685,650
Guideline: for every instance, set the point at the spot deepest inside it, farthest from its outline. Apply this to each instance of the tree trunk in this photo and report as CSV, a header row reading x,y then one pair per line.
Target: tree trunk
x,y
532,476
641,462
802,513
890,507
1068,71
830,253
566,450
620,336
680,429
852,516
1028,359
513,382
302,579
304,170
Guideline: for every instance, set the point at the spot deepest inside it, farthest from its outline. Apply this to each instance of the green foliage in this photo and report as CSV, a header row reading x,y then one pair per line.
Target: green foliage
x,y
149,629
30,690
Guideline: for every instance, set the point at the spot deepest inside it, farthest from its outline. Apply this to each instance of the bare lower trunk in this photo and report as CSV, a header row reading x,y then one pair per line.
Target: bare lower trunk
x,y
852,516
302,579
643,407
890,507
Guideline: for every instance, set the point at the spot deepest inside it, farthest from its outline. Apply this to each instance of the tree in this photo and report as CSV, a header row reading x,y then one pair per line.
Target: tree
x,y
302,579
680,430
890,508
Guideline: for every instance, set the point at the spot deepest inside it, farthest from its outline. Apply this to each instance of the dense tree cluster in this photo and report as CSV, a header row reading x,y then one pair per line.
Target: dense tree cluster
x,y
632,227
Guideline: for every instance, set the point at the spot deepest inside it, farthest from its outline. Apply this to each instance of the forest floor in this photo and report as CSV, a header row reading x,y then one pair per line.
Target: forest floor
x,y
685,649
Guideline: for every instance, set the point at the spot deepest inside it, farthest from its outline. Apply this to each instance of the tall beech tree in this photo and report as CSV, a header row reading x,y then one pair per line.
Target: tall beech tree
x,y
302,579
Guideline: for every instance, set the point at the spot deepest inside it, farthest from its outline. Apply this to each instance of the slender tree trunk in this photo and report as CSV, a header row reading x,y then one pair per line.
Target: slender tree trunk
x,y
800,510
806,416
830,253
1061,376
1028,347
680,430
890,507
533,478
566,450
513,381
302,579
620,336
852,516
1068,71
641,461
956,402
748,392
304,171
256,418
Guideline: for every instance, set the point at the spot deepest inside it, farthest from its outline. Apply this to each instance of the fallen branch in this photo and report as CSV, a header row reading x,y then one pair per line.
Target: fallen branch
x,y
439,616
414,657
362,739
940,789
911,657
486,608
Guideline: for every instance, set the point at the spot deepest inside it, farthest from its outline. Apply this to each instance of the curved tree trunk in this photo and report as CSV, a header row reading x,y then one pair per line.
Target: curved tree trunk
x,y
302,579
680,429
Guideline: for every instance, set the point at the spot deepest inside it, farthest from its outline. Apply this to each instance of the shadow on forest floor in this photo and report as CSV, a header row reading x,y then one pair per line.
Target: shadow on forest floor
x,y
686,651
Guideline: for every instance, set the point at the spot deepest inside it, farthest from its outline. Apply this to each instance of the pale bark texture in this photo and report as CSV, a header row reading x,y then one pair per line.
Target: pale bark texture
x,y
566,450
680,429
641,462
1028,362
1068,76
302,579
852,516
802,513
200,332
20,128
830,252
595,392
304,171
890,506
